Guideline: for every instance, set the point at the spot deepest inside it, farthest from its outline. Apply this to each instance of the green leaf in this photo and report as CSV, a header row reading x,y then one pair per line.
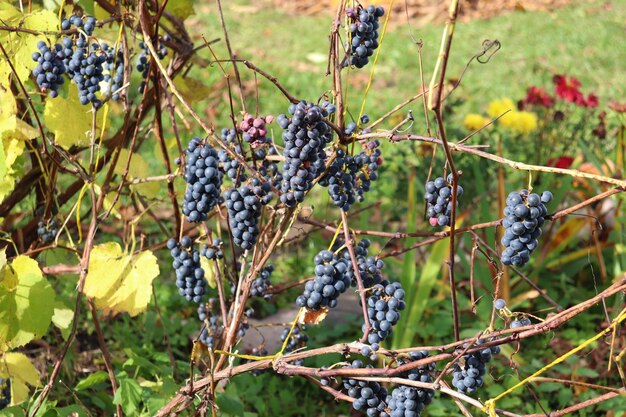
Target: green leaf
x,y
93,379
128,396
230,405
428,277
26,303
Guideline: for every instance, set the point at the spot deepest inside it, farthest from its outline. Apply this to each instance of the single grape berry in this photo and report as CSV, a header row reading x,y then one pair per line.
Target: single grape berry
x,y
439,198
524,215
499,304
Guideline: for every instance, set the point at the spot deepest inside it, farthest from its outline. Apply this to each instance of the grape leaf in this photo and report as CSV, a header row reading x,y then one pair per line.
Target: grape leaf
x,y
69,132
128,396
17,367
191,89
63,316
26,303
180,8
93,379
209,271
20,47
138,169
120,282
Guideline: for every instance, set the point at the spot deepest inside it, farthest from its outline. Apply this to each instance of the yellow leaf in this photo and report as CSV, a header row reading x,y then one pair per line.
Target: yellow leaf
x,y
70,121
17,368
209,271
138,169
63,316
180,8
120,282
26,303
3,258
20,47
10,149
192,90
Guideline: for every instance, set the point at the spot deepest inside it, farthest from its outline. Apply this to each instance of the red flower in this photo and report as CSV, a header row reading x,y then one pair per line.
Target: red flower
x,y
591,101
561,162
538,96
567,89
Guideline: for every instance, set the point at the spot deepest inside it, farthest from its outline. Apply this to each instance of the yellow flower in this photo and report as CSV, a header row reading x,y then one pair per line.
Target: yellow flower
x,y
497,107
519,121
475,121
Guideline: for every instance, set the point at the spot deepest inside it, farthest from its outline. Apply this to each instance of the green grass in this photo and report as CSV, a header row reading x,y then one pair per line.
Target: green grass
x,y
579,40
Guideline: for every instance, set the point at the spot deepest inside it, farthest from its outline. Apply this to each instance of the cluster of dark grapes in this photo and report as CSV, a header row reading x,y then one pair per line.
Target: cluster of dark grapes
x,y
521,322
232,168
383,310
253,129
47,231
143,60
524,215
213,251
369,396
305,134
439,198
363,33
115,67
212,330
262,283
244,210
84,63
268,169
76,21
349,177
469,373
340,180
332,278
297,340
189,274
204,181
370,267
50,68
5,392
409,401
